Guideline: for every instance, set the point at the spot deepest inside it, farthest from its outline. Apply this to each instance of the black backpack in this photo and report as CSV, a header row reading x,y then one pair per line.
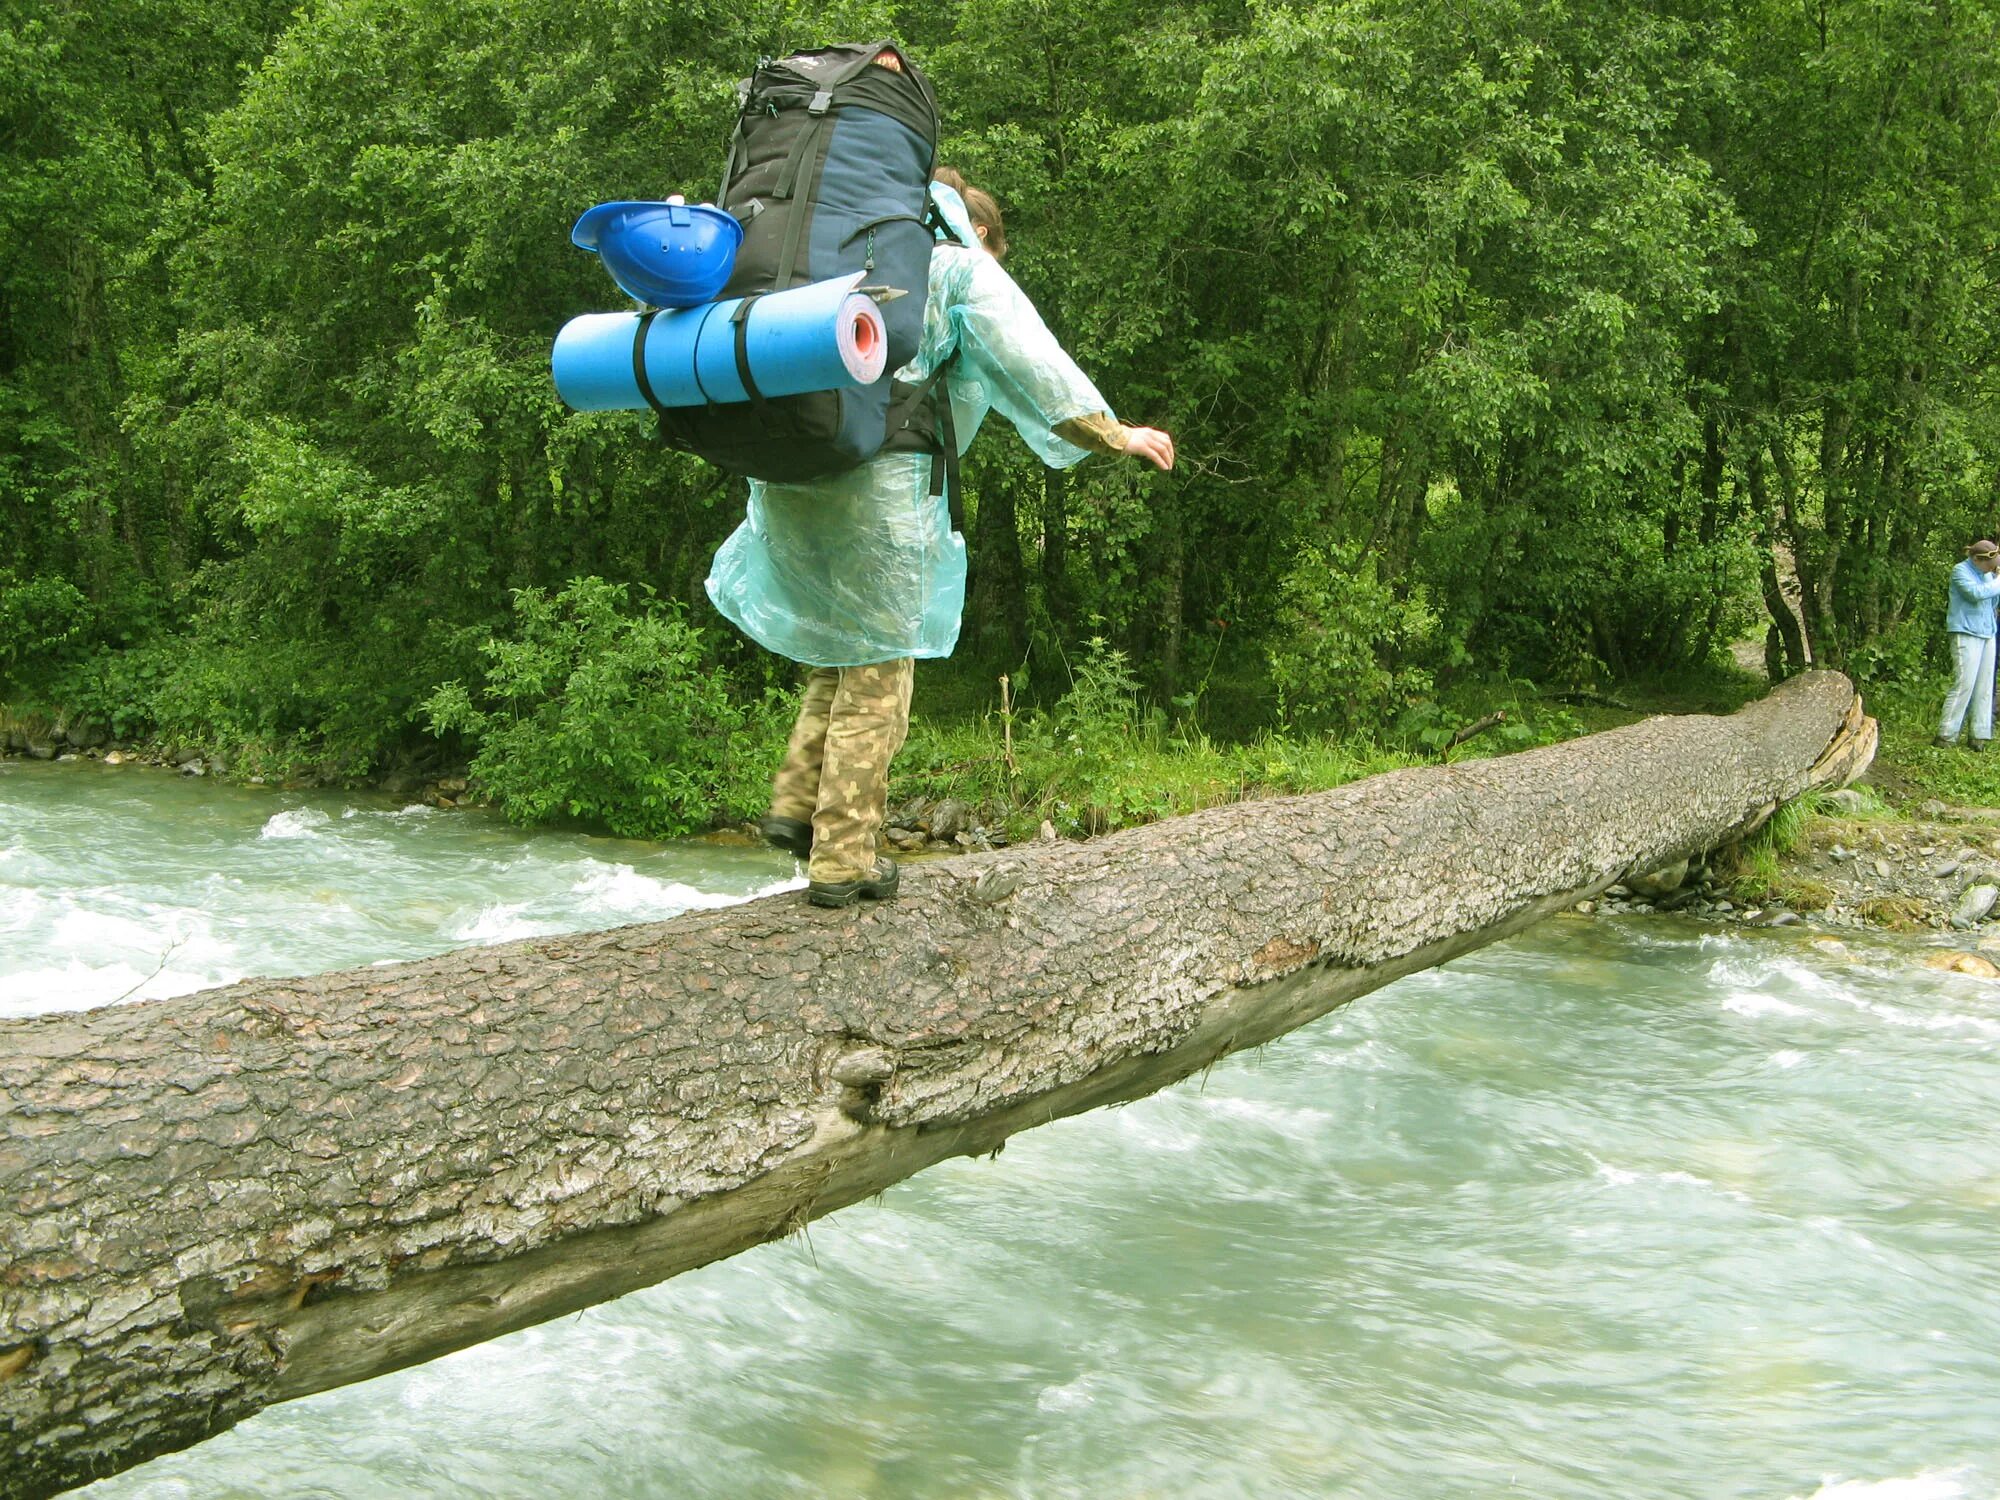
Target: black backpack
x,y
829,173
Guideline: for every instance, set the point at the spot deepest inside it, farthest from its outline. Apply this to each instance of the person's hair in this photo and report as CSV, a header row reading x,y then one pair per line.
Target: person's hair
x,y
979,203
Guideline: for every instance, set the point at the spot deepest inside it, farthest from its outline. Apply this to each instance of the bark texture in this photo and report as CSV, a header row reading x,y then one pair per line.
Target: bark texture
x,y
212,1203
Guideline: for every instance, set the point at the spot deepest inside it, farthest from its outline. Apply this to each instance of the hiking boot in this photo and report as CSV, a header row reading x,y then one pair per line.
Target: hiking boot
x,y
793,835
1939,742
881,886
1977,744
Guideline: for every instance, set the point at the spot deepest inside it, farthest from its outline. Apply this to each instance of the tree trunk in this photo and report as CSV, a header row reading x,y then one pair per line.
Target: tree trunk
x,y
1785,630
996,593
1058,596
215,1202
1162,645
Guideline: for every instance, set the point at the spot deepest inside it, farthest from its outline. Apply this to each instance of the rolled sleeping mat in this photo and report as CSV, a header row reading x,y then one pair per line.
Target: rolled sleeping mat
x,y
811,338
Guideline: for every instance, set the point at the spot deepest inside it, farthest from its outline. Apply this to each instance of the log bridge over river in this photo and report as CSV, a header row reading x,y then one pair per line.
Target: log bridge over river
x,y
232,1198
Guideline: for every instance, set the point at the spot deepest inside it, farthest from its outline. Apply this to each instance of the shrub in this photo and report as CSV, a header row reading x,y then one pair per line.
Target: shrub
x,y
1099,715
1340,657
43,619
617,718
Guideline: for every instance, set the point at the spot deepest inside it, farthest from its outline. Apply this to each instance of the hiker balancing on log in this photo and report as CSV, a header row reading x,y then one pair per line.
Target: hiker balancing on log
x,y
857,573
834,330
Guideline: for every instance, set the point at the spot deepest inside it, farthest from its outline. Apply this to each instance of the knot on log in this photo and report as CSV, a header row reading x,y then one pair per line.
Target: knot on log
x,y
864,1067
861,1071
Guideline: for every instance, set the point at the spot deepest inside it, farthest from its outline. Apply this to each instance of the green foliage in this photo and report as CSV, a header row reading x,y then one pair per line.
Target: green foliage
x,y
591,712
42,620
1099,715
1430,724
1097,760
1757,869
1865,805
1342,654
1524,340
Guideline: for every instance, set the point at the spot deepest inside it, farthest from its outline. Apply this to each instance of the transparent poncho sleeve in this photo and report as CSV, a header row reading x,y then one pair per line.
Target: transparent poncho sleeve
x,y
1008,353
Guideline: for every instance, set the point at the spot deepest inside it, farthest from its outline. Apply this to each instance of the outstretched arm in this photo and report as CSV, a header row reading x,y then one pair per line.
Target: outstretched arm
x,y
1100,432
1033,381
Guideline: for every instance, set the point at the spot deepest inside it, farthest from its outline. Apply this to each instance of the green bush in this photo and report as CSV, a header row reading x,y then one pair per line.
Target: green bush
x,y
118,688
1342,657
43,619
616,718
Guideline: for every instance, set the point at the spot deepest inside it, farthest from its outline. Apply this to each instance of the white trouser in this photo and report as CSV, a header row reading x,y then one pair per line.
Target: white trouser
x,y
1972,657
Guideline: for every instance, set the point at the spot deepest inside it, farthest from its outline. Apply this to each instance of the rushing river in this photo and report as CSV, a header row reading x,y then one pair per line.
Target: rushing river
x,y
1614,1210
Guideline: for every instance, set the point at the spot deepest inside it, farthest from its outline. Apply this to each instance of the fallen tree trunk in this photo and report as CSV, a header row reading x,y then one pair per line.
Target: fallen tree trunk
x,y
236,1197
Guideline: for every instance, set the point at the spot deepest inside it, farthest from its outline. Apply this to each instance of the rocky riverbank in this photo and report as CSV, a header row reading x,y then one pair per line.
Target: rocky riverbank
x,y
1854,865
1851,866
36,737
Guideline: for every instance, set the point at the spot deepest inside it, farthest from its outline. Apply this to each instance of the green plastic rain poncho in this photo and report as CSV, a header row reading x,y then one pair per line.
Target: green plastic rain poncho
x,y
864,566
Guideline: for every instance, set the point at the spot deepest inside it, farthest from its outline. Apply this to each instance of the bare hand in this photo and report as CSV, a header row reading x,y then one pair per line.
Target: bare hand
x,y
1151,444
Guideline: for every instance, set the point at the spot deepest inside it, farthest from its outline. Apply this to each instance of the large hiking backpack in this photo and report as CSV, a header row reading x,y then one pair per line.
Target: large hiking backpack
x,y
828,173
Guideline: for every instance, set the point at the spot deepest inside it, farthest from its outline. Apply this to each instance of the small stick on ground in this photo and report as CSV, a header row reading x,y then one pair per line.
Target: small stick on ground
x,y
1007,726
1476,727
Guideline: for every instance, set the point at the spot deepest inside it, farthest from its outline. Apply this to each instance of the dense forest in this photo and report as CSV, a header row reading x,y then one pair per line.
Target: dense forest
x,y
1500,338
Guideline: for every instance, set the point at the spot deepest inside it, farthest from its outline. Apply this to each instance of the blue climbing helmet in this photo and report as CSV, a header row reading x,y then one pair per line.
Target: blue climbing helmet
x,y
672,254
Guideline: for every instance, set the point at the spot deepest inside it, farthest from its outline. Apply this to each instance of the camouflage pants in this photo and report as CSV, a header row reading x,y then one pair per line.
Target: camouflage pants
x,y
851,723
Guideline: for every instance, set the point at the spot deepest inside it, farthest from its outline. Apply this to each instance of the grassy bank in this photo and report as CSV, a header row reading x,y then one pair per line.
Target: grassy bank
x,y
1098,758
1092,757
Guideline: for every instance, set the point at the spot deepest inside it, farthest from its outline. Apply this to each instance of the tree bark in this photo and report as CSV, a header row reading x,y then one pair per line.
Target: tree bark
x,y
212,1203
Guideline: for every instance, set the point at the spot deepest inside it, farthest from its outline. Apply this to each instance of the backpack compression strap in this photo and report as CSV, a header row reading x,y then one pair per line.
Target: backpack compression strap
x,y
944,476
741,318
645,383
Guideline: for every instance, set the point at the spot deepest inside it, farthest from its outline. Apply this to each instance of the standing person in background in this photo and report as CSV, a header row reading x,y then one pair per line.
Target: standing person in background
x,y
858,574
1975,585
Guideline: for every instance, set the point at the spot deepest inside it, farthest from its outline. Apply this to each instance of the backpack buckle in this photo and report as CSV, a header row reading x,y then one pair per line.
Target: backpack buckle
x,y
821,102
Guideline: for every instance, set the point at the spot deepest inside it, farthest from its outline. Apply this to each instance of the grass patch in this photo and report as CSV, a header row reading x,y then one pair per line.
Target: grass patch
x,y
1857,804
1756,870
1085,785
1897,913
1097,758
1916,769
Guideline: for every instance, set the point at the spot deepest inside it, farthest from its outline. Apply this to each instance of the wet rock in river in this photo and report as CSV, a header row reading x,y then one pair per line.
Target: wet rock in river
x,y
1974,964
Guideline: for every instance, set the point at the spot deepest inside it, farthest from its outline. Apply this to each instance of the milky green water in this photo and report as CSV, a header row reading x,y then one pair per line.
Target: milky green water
x,y
1623,1210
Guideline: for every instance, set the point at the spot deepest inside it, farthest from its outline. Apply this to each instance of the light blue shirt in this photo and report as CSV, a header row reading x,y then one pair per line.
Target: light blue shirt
x,y
1970,607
